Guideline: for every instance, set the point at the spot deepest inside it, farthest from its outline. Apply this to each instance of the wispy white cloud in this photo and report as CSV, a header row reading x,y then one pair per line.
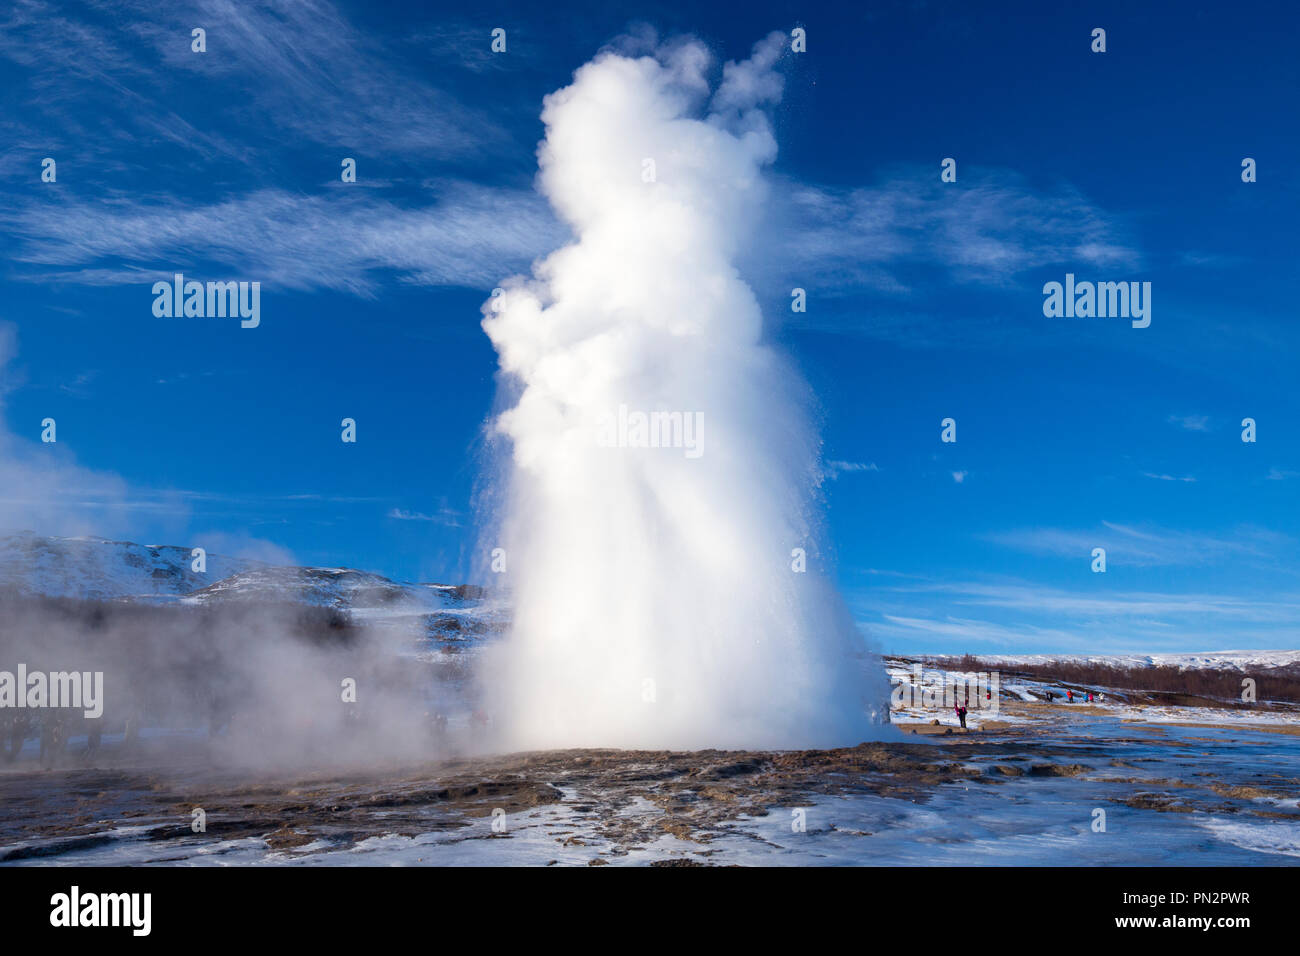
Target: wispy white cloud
x,y
298,69
468,236
1134,604
444,516
1211,260
310,71
1151,474
971,632
1031,618
836,468
305,73
472,235
1148,546
960,635
1191,423
465,43
990,229
71,63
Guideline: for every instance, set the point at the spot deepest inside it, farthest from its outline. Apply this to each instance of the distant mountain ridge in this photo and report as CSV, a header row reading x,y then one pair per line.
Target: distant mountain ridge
x,y
92,568
1242,660
99,569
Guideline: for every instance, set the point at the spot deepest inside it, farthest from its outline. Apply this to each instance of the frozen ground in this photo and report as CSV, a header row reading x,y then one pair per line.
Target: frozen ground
x,y
1027,793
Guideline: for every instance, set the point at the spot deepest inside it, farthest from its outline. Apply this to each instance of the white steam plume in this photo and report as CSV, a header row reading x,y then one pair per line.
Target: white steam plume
x,y
654,600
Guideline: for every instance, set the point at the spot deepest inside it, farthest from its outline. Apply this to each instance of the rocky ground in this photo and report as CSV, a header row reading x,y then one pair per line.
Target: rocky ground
x,y
597,806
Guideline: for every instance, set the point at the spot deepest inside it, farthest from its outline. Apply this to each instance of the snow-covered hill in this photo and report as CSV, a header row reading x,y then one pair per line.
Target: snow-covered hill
x,y
99,569
446,612
339,588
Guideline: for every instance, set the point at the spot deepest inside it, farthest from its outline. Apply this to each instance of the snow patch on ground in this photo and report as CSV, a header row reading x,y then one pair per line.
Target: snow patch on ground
x,y
1275,836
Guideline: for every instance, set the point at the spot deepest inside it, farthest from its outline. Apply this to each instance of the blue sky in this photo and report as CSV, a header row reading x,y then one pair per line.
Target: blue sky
x,y
924,298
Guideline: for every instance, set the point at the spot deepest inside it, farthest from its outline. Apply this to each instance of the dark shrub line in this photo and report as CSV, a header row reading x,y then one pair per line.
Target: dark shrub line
x,y
1219,683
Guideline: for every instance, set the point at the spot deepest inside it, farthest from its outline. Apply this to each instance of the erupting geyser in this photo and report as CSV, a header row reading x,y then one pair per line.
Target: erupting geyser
x,y
661,471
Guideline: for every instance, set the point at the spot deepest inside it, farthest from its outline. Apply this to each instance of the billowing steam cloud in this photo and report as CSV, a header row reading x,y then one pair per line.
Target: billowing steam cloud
x,y
247,685
661,471
40,486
